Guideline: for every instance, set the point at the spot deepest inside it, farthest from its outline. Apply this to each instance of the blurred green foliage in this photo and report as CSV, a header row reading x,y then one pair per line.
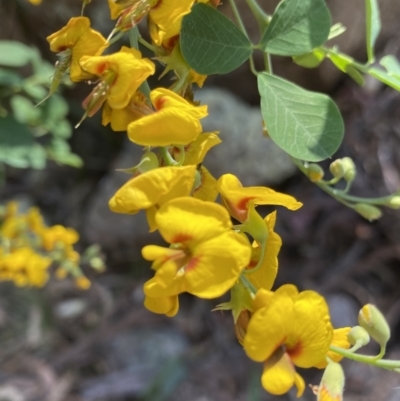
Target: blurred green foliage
x,y
30,135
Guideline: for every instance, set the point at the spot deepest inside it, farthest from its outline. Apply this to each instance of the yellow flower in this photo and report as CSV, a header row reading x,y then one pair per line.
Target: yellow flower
x,y
25,267
120,75
150,190
75,40
35,2
121,118
292,329
175,121
167,17
163,305
58,236
206,190
237,199
206,257
265,275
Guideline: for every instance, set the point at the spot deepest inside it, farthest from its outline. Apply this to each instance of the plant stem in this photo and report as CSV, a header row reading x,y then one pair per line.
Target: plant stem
x,y
341,195
237,17
145,43
247,284
262,18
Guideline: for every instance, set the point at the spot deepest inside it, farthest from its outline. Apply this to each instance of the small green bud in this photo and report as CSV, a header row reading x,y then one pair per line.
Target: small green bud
x,y
369,212
372,320
349,169
332,383
315,172
358,335
336,168
394,202
149,161
310,60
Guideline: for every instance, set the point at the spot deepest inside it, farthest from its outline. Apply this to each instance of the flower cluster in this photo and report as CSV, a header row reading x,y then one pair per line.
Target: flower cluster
x,y
206,255
28,248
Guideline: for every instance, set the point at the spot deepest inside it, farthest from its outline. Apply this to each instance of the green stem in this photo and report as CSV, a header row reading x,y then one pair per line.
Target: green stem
x,y
262,18
370,360
341,195
252,66
260,260
169,160
268,63
237,17
247,284
154,49
112,39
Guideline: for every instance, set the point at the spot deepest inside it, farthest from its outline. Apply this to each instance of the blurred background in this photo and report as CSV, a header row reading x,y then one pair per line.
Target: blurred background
x,y
60,343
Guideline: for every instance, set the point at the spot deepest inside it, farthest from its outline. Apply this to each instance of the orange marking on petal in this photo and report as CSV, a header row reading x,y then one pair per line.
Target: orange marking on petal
x,y
192,264
181,238
101,68
242,205
160,103
61,49
296,350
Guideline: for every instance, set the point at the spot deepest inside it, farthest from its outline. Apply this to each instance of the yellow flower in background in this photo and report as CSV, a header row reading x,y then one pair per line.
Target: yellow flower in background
x,y
292,329
205,258
120,75
35,2
150,190
58,236
175,121
237,199
24,267
265,275
75,40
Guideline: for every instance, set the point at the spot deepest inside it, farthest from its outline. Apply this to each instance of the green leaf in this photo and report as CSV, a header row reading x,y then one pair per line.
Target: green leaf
x,y
392,65
373,26
306,125
211,43
9,78
383,76
312,59
346,64
24,110
60,151
14,54
297,27
18,147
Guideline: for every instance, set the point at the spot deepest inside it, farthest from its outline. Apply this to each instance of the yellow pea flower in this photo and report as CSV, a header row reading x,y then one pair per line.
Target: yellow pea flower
x,y
237,199
150,190
120,75
292,329
58,235
163,305
73,41
207,188
35,2
206,257
175,121
264,277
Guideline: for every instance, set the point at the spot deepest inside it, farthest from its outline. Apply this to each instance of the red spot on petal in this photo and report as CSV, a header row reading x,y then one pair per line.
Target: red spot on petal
x,y
191,264
62,49
243,203
296,350
159,103
181,238
101,68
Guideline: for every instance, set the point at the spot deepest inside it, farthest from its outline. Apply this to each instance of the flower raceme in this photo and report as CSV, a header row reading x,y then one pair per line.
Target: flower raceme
x,y
205,258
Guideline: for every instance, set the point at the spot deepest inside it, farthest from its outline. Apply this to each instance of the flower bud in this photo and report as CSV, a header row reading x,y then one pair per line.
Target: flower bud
x,y
149,161
394,202
336,168
358,335
369,212
315,172
349,169
372,320
332,383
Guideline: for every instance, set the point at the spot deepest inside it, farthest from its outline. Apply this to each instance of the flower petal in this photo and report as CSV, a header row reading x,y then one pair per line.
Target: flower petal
x,y
163,305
